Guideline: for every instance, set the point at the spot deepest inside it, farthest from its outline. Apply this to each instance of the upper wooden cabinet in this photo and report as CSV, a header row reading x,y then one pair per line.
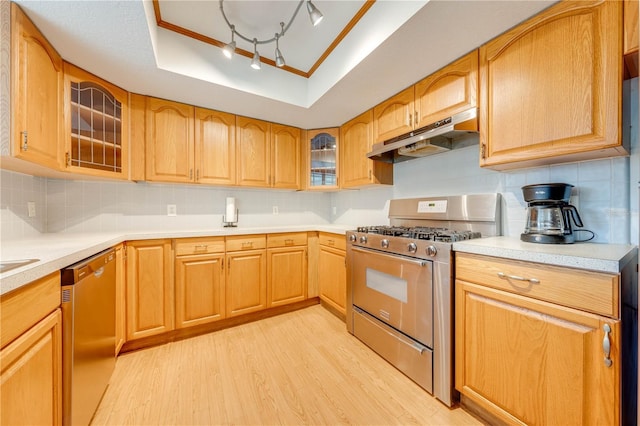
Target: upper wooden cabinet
x,y
169,141
394,116
631,38
550,88
356,140
96,125
450,90
253,139
321,158
215,147
285,153
37,94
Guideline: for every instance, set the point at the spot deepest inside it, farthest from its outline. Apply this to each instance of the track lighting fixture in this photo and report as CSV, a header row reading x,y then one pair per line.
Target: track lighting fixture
x,y
229,49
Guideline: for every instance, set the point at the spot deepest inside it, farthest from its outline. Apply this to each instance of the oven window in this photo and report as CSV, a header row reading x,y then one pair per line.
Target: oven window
x,y
389,285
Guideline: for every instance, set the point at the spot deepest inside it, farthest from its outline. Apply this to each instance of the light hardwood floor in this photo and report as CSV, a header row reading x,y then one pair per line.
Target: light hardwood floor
x,y
297,368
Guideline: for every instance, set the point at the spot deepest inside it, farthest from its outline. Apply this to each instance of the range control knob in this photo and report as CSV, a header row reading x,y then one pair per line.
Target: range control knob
x,y
353,238
432,250
412,247
384,243
363,239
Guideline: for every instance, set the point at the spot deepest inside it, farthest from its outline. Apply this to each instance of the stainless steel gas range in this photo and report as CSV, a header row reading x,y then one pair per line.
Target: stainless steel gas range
x,y
399,283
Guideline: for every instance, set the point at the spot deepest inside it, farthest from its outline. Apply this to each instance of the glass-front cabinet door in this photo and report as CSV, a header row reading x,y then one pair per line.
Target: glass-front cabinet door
x,y
96,125
323,158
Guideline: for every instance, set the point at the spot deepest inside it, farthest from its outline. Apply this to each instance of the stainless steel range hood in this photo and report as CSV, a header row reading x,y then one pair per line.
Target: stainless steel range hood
x,y
428,140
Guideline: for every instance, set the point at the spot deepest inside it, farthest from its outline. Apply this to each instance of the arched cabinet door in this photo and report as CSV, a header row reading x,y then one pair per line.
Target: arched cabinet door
x,y
322,146
550,88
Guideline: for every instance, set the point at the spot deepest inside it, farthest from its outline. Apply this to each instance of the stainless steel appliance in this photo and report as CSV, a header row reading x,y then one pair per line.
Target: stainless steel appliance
x,y
88,339
549,215
399,289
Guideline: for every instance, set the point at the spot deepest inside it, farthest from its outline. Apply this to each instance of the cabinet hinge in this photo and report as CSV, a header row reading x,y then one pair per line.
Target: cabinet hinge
x,y
67,159
369,174
25,145
483,151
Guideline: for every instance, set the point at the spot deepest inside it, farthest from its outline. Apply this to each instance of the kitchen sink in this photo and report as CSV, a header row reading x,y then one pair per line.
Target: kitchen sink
x,y
7,265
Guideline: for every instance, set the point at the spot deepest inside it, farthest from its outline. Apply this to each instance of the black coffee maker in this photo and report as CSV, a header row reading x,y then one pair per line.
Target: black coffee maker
x,y
549,214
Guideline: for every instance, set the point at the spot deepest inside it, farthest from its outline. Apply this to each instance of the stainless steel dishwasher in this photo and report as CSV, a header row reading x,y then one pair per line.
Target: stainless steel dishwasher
x,y
88,339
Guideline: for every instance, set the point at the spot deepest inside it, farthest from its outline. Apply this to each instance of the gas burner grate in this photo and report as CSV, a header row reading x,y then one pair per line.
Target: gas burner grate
x,y
421,233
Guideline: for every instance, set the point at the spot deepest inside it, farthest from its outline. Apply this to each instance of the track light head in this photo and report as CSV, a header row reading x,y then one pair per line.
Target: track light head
x,y
314,14
279,58
255,62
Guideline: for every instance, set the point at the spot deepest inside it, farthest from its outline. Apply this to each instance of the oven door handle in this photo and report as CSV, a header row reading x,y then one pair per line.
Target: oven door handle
x,y
401,258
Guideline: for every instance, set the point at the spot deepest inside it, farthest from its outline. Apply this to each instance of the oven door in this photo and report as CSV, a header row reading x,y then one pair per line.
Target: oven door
x,y
398,290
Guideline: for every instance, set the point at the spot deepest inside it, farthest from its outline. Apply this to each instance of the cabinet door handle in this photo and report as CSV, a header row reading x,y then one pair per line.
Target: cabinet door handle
x,y
606,346
517,278
409,118
415,118
190,174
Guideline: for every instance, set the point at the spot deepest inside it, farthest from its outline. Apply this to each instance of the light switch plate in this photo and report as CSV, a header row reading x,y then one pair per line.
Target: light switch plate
x,y
31,208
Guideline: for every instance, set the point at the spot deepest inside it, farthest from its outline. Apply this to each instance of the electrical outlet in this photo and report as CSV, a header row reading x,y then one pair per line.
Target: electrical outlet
x,y
31,208
275,209
334,210
172,210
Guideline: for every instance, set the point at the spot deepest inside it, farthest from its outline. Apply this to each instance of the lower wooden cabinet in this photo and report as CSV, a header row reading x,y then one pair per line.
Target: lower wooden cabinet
x,y
121,297
332,271
286,268
246,275
526,360
200,283
150,300
31,375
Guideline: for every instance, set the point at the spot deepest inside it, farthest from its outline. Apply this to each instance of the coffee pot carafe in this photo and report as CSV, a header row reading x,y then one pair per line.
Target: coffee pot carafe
x,y
550,216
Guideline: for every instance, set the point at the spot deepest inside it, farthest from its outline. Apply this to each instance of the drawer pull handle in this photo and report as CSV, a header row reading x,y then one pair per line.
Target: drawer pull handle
x,y
247,245
331,242
606,346
200,247
517,278
288,242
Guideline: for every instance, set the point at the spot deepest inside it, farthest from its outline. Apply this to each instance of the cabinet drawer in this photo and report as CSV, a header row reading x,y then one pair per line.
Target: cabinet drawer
x,y
22,308
333,240
588,291
246,242
287,240
188,246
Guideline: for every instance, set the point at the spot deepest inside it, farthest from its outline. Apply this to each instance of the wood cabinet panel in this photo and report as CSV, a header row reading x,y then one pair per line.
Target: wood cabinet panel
x,y
246,283
631,26
286,275
285,152
200,289
394,116
31,375
332,277
37,94
253,153
121,297
25,306
215,147
356,140
204,245
508,345
448,91
550,88
336,241
245,242
150,294
169,141
287,239
590,291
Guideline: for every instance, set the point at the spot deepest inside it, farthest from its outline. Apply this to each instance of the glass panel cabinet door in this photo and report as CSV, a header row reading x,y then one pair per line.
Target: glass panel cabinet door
x,y
323,158
96,123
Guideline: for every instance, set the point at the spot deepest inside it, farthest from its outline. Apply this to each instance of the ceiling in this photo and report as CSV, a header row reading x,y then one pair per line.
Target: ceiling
x,y
329,77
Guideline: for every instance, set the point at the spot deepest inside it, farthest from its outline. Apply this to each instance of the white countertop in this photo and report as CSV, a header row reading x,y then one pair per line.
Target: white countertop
x,y
57,251
591,256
